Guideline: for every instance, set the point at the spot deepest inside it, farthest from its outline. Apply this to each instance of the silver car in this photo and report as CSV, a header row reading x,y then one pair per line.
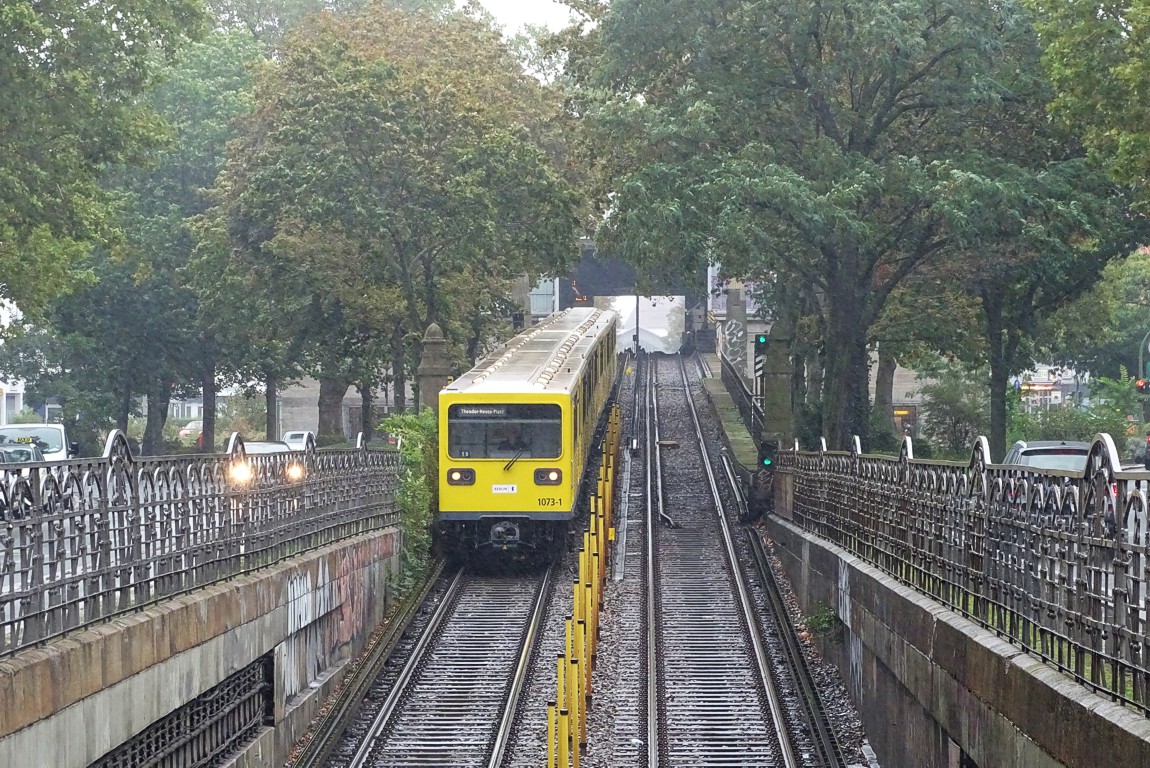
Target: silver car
x,y
1065,455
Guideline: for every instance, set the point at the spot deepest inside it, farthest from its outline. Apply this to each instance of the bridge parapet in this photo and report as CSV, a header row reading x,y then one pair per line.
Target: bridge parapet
x,y
88,539
1056,562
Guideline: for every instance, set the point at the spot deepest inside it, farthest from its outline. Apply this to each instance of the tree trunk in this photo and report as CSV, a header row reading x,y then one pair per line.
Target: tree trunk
x,y
331,392
367,417
208,388
399,371
884,388
846,396
124,407
999,352
271,402
159,395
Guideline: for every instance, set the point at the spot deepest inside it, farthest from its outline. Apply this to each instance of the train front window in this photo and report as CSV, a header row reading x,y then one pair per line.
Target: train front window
x,y
498,431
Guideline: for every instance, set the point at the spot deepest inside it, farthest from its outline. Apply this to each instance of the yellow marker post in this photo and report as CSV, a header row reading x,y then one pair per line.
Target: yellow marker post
x,y
595,614
561,678
552,728
578,722
570,637
585,678
564,738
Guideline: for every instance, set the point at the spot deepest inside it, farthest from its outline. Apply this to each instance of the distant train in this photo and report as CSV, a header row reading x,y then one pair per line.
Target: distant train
x,y
516,433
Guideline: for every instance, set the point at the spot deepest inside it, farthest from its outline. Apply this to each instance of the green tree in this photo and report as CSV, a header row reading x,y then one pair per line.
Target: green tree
x,y
1097,57
955,405
842,147
71,73
1103,331
205,88
387,175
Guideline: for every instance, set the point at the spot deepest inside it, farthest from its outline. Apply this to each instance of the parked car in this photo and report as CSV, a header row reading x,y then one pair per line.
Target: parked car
x,y
21,453
191,431
51,439
297,439
1066,455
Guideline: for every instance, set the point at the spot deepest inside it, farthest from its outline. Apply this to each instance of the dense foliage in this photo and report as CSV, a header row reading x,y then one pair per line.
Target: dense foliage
x,y
838,150
71,73
245,191
416,495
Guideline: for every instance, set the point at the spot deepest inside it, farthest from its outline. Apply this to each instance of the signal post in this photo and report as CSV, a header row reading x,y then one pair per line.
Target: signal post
x,y
773,382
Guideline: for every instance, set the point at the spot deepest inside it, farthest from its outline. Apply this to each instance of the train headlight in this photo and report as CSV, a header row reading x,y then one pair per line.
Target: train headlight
x,y
294,473
460,476
548,476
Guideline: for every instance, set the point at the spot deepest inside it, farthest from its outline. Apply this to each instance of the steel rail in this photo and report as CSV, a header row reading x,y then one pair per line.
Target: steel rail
x,y
778,714
530,640
317,749
823,735
425,641
651,416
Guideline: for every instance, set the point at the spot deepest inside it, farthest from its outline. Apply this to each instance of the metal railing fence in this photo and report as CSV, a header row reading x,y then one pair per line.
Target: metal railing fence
x,y
87,539
750,411
1055,562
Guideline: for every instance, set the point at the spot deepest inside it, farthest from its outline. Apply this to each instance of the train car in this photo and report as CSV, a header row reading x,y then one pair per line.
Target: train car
x,y
516,433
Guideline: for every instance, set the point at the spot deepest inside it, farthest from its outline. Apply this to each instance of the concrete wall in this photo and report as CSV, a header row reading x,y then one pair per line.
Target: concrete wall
x,y
75,699
932,685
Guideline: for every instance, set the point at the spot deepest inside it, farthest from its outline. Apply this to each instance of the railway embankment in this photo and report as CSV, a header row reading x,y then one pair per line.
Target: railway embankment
x,y
929,682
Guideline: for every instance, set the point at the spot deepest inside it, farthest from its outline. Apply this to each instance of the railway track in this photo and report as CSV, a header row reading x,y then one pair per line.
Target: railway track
x,y
454,702
724,687
707,673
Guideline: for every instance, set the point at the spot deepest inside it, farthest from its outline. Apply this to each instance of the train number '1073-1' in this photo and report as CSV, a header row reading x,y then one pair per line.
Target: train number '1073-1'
x,y
550,501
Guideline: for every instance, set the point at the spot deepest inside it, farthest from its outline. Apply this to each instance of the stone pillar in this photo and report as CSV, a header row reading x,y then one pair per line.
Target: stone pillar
x,y
778,408
434,370
735,331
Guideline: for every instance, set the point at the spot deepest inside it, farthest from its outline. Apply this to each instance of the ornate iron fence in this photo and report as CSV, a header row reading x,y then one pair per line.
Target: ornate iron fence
x,y
87,539
1055,562
207,731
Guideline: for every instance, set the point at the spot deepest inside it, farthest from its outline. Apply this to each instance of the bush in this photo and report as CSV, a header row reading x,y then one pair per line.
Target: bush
x,y
882,436
956,410
1113,402
417,491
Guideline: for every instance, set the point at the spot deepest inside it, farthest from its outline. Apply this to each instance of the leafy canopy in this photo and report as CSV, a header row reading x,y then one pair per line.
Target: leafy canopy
x,y
71,73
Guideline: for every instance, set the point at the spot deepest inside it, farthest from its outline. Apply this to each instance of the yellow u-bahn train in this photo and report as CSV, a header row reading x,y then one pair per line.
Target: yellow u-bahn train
x,y
516,433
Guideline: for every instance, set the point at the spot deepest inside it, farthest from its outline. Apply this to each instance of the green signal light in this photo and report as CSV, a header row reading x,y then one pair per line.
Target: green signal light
x,y
761,338
767,462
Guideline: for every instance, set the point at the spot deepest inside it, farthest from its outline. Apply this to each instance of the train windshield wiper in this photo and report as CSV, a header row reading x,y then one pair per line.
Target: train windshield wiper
x,y
514,459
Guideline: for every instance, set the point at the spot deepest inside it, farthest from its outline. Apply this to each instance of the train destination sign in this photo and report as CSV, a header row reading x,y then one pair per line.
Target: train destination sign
x,y
480,411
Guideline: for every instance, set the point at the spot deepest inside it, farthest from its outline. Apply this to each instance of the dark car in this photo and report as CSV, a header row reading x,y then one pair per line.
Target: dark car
x,y
1065,455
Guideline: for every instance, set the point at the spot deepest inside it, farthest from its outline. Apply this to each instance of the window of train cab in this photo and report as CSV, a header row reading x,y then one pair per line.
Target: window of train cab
x,y
504,431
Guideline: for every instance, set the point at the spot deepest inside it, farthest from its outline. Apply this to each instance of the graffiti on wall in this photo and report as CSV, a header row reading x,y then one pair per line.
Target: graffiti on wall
x,y
330,602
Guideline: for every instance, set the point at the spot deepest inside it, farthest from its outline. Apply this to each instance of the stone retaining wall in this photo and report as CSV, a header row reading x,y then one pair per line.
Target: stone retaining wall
x,y
934,687
71,701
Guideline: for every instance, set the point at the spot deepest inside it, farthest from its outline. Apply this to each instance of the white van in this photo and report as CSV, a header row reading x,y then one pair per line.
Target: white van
x,y
50,438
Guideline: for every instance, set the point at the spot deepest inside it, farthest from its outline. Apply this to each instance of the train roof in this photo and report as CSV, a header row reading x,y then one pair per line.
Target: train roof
x,y
546,357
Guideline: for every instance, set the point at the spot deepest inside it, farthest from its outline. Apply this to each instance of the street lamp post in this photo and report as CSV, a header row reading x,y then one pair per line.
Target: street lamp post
x,y
1141,349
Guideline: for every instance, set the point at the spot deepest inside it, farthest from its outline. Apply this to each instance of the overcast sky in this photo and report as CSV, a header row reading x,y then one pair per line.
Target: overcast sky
x,y
513,14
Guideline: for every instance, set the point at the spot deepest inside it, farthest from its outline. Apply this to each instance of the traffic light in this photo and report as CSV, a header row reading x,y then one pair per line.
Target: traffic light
x,y
1143,386
760,343
768,450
